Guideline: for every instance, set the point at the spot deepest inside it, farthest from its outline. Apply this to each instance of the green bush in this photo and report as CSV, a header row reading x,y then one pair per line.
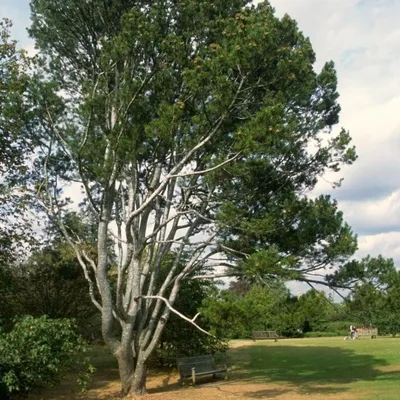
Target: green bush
x,y
339,326
321,334
195,343
37,352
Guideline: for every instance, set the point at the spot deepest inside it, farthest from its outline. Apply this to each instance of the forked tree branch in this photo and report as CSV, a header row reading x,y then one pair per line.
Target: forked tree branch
x,y
214,276
53,214
178,167
204,171
191,321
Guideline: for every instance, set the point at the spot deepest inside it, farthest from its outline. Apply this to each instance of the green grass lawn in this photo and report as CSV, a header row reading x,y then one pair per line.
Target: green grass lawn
x,y
290,369
370,369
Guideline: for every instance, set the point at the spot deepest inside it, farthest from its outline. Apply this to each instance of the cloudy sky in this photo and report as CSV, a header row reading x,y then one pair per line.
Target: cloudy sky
x,y
363,38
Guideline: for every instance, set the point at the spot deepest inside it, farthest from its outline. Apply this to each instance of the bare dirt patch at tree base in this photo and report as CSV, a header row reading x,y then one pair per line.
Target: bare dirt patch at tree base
x,y
222,390
166,387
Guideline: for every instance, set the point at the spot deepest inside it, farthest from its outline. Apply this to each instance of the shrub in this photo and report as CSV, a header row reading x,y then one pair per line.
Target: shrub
x,y
324,334
339,326
193,344
37,352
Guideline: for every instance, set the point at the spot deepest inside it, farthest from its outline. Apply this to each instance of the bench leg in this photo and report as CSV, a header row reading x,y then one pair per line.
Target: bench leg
x,y
226,372
194,376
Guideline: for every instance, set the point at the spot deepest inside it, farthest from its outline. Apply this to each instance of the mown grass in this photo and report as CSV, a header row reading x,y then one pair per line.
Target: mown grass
x,y
363,369
368,368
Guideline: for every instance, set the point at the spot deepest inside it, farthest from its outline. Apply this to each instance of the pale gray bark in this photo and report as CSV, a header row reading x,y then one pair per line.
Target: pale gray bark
x,y
147,218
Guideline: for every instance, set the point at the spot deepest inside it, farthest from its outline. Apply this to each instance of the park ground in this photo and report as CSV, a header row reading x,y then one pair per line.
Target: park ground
x,y
291,369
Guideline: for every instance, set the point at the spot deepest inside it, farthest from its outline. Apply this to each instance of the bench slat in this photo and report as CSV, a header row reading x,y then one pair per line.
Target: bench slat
x,y
216,371
195,359
198,366
265,335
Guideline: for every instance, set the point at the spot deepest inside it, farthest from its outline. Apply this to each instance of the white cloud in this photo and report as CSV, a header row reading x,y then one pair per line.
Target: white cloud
x,y
363,38
30,48
374,216
387,244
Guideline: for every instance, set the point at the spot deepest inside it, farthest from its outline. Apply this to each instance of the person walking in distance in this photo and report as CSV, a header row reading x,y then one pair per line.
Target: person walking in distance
x,y
353,332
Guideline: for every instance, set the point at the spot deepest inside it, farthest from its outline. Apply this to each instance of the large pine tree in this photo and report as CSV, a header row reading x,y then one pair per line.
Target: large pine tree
x,y
191,126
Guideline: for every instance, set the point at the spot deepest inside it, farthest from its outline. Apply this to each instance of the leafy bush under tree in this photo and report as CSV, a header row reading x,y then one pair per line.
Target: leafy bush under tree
x,y
37,353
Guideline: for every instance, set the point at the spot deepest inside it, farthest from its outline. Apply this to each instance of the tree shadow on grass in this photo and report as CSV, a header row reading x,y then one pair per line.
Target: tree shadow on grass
x,y
255,394
311,369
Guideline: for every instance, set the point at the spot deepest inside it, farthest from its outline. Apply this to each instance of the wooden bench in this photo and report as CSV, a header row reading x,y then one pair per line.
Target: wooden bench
x,y
191,367
261,335
372,332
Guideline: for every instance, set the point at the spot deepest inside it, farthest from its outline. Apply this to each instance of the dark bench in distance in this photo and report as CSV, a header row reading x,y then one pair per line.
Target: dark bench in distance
x,y
191,367
260,335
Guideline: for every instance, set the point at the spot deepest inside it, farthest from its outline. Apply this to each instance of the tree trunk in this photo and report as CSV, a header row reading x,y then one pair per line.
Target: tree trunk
x,y
126,369
139,379
133,377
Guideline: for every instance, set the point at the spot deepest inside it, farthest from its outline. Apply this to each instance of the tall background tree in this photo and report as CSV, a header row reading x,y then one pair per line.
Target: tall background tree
x,y
374,300
235,315
16,144
194,129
